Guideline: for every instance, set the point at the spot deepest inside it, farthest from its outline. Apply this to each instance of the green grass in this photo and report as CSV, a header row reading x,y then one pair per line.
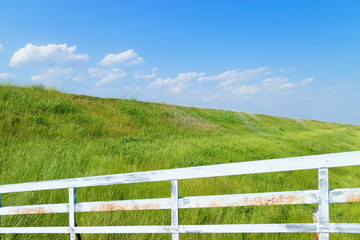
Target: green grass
x,y
46,134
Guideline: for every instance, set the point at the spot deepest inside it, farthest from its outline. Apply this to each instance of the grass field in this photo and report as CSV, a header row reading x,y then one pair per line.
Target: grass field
x,y
46,134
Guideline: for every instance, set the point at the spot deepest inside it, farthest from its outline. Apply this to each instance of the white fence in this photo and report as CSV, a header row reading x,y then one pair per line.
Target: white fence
x,y
321,196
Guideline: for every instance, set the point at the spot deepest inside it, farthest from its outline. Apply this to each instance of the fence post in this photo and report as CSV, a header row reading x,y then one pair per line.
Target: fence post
x,y
72,201
324,225
175,209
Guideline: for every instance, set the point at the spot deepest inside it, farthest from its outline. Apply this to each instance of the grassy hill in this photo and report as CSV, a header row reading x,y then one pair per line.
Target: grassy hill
x,y
46,134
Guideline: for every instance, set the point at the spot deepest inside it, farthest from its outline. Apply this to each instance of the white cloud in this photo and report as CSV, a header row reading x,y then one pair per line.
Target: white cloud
x,y
284,70
275,81
232,83
267,73
306,81
178,83
49,55
53,76
106,75
234,76
78,79
337,87
278,83
7,76
129,57
210,97
246,89
1,47
146,76
287,86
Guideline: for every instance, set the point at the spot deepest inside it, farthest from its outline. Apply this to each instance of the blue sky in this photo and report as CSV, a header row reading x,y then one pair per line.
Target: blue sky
x,y
296,59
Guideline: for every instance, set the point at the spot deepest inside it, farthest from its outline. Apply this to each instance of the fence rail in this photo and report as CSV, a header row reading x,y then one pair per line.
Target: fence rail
x,y
322,196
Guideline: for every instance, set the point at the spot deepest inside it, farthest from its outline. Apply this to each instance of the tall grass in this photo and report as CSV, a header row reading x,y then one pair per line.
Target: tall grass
x,y
46,134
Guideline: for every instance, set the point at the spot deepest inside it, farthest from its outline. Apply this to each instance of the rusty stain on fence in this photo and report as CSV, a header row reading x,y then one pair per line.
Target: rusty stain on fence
x,y
123,207
276,200
246,200
34,210
316,220
354,197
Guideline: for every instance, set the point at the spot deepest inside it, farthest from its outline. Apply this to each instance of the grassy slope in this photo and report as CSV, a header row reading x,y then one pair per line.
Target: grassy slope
x,y
46,134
